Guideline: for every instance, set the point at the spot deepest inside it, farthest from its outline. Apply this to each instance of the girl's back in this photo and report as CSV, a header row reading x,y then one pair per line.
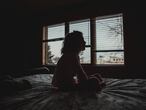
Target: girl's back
x,y
65,70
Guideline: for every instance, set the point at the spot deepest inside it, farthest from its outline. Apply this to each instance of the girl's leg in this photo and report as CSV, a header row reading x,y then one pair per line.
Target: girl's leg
x,y
98,76
94,84
101,81
68,87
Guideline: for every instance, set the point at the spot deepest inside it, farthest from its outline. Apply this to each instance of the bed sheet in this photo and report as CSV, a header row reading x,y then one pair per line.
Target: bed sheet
x,y
119,94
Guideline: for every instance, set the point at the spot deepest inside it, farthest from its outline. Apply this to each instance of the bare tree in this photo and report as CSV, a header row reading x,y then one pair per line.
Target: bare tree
x,y
50,56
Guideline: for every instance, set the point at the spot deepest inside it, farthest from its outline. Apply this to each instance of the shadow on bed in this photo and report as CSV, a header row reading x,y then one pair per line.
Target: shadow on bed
x,y
11,85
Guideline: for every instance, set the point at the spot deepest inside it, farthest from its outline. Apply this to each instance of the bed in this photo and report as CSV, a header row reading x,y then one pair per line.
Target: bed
x,y
119,94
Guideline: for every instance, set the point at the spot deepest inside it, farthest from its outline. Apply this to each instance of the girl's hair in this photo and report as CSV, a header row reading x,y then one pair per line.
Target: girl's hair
x,y
72,42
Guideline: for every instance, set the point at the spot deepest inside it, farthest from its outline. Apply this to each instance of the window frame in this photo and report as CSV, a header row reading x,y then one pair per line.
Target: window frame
x,y
92,36
118,50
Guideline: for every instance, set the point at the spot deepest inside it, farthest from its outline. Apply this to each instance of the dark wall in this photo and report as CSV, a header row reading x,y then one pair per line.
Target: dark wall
x,y
135,40
20,41
21,34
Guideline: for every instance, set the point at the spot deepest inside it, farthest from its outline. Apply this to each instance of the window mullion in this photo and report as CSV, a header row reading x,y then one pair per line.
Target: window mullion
x,y
93,40
44,45
66,28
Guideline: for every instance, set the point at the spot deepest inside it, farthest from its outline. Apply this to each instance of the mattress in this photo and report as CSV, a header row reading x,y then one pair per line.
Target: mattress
x,y
119,94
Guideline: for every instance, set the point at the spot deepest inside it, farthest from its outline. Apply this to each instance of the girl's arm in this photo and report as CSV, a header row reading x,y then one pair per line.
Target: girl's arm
x,y
81,74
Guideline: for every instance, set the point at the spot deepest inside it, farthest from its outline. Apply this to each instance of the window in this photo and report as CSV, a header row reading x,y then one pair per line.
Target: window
x,y
103,36
109,40
52,43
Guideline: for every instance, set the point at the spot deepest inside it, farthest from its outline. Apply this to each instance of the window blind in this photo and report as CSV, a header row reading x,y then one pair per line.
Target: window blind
x,y
109,33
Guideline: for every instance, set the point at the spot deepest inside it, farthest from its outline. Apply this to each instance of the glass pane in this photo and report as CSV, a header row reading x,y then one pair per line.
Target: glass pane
x,y
110,58
56,31
109,32
54,51
84,27
85,56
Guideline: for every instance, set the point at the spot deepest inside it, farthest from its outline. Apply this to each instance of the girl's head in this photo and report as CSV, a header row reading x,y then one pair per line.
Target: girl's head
x,y
73,42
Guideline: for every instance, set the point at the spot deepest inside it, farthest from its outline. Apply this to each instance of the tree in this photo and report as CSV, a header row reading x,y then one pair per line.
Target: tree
x,y
81,57
55,59
50,56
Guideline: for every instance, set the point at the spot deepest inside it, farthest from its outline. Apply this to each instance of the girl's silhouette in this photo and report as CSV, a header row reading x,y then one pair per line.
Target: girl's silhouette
x,y
69,74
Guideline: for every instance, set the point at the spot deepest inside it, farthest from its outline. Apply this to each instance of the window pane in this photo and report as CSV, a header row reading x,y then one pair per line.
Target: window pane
x,y
84,27
54,51
110,58
109,37
56,31
109,32
85,56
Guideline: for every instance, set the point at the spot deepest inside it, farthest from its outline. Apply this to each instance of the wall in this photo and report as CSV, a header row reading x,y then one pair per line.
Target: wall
x,y
20,42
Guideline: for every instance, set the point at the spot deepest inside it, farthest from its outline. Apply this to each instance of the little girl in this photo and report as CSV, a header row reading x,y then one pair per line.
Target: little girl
x,y
69,74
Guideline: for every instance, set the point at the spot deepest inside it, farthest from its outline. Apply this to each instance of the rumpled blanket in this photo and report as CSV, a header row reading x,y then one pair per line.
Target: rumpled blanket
x,y
119,94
